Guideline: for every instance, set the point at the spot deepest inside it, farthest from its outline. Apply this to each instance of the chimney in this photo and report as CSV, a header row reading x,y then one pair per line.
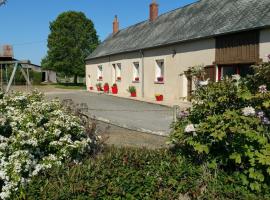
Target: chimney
x,y
115,25
153,11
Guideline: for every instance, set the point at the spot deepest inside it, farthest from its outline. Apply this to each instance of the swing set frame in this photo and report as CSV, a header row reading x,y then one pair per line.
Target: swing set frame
x,y
17,65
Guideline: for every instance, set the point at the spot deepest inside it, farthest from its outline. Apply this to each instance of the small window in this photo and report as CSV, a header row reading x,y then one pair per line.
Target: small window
x,y
160,71
136,72
118,72
100,73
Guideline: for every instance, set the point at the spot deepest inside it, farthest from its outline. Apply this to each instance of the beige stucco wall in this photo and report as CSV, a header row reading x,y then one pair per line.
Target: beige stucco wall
x,y
187,55
126,61
264,44
175,83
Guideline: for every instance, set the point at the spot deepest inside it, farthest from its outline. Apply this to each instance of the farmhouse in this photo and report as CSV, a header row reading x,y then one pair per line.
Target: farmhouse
x,y
225,36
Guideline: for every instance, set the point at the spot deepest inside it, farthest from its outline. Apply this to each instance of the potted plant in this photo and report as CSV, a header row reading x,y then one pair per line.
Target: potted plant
x,y
132,91
100,78
106,88
114,89
91,88
159,97
119,78
160,79
99,87
137,78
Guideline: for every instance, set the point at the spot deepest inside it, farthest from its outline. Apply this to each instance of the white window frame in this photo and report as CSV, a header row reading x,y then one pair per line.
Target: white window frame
x,y
99,72
159,70
118,71
136,71
113,72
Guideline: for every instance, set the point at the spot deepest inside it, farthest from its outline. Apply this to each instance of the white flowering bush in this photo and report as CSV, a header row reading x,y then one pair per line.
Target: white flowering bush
x,y
228,127
36,135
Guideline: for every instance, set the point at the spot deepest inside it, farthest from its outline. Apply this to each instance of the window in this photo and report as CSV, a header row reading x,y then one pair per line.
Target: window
x,y
113,73
100,72
229,70
118,72
136,72
160,71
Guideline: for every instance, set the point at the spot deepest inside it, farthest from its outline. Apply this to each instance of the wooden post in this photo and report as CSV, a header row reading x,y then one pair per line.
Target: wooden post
x,y
12,76
175,111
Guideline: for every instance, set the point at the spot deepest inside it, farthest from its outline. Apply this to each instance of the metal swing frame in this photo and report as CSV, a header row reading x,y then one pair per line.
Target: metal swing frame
x,y
17,65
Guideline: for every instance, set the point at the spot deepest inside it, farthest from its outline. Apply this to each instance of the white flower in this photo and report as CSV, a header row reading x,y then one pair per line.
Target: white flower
x,y
248,111
204,83
190,128
2,121
263,89
21,153
236,77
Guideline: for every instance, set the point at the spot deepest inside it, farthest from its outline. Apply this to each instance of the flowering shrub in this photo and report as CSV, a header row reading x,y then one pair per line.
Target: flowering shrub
x,y
261,77
228,127
36,135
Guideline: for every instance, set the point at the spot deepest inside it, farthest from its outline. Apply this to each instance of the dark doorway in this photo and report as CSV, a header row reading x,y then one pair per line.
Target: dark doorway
x,y
43,76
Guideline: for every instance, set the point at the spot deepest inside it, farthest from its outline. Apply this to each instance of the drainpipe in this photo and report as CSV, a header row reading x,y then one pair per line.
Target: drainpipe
x,y
142,57
110,67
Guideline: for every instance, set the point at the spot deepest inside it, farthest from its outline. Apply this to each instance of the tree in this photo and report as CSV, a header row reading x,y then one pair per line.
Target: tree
x,y
2,2
73,37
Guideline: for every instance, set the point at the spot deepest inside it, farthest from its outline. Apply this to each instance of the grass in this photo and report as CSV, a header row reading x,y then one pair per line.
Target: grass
x,y
131,173
70,86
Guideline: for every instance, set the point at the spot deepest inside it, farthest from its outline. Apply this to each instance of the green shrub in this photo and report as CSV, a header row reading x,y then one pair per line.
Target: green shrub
x,y
261,76
36,77
129,173
228,127
36,135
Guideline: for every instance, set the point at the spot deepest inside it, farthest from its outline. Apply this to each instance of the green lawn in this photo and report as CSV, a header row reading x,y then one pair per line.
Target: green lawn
x,y
70,86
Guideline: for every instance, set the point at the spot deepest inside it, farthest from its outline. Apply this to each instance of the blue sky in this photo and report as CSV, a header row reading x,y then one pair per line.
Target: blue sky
x,y
25,23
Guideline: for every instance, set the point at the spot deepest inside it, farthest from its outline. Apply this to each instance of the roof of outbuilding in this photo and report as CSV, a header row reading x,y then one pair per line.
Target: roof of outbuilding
x,y
205,18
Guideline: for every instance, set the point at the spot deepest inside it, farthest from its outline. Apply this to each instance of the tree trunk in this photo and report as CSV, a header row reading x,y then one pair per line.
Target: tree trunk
x,y
75,79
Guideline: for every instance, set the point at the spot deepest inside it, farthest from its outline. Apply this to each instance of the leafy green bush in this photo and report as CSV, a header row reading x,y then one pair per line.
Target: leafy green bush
x,y
128,173
36,135
261,76
36,77
228,127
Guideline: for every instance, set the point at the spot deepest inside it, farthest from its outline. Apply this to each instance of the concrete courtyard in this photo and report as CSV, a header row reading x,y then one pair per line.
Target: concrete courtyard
x,y
126,113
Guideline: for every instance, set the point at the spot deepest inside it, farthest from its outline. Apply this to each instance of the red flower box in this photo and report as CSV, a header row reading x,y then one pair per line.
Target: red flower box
x,y
137,79
114,89
106,88
159,97
91,88
160,79
133,94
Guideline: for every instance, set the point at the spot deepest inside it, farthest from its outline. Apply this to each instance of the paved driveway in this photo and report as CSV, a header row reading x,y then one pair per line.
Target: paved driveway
x,y
131,114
